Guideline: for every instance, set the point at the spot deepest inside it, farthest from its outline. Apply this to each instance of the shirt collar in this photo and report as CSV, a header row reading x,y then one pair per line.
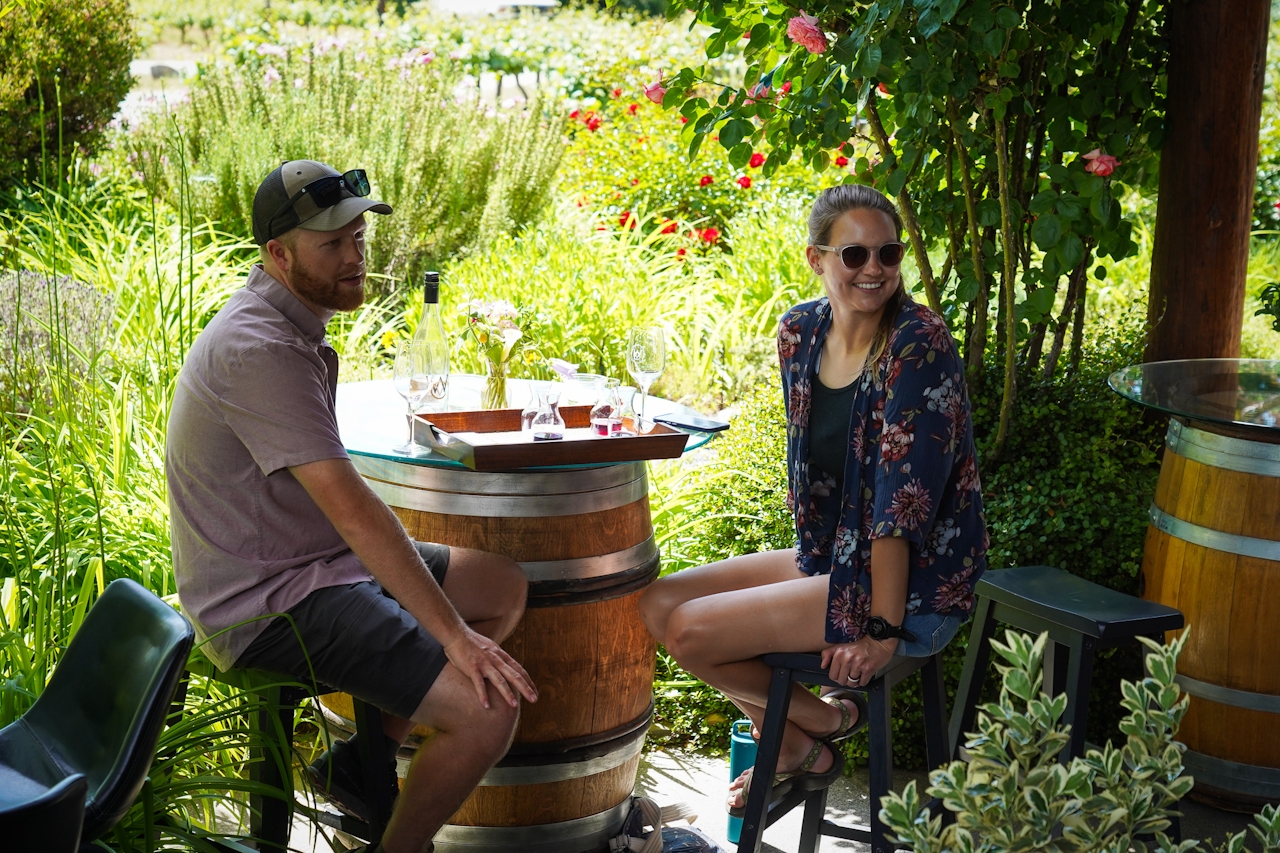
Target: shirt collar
x,y
282,299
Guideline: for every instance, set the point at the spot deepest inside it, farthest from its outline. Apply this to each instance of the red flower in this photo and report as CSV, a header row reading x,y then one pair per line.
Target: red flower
x,y
1100,163
744,182
631,108
574,115
680,253
626,220
842,161
669,226
786,87
757,160
710,236
884,90
617,93
683,120
635,182
706,180
593,123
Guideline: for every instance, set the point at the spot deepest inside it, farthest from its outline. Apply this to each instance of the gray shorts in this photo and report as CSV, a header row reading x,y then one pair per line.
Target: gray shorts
x,y
359,640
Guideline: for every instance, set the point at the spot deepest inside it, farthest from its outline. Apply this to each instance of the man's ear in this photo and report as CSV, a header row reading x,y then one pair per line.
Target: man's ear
x,y
280,254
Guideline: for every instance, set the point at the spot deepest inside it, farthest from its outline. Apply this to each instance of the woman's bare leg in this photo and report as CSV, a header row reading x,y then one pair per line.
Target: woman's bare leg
x,y
716,621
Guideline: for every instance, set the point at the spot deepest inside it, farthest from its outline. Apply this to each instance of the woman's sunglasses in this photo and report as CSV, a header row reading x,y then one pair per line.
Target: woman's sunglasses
x,y
328,191
855,257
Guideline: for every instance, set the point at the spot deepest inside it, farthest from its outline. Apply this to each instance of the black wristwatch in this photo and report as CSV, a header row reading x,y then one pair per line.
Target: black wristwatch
x,y
878,628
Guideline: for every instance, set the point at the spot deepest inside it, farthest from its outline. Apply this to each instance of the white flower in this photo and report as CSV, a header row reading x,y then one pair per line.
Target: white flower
x,y
270,76
265,49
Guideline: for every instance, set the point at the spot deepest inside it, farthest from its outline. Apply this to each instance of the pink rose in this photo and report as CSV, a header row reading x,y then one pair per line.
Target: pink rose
x,y
655,91
758,92
804,30
1100,164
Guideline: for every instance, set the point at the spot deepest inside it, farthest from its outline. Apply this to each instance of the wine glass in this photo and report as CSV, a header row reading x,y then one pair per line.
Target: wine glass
x,y
413,381
646,359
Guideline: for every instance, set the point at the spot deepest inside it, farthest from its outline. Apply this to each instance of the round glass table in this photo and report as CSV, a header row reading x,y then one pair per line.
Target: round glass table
x,y
1213,551
584,537
371,416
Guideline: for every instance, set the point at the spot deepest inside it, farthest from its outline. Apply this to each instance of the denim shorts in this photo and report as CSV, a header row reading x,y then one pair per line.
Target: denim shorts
x,y
933,631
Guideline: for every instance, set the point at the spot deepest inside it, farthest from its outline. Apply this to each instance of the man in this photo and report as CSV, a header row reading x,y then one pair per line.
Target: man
x,y
269,516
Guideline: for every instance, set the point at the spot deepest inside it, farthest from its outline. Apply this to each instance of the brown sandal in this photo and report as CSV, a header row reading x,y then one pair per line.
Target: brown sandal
x,y
848,726
802,777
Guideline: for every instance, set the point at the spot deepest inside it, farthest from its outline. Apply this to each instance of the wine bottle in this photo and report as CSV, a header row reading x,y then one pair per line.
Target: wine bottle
x,y
430,332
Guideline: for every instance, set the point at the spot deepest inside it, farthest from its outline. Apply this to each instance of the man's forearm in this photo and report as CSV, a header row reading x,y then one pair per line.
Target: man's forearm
x,y
376,536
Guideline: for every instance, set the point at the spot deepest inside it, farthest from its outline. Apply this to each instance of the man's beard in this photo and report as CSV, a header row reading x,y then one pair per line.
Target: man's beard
x,y
326,292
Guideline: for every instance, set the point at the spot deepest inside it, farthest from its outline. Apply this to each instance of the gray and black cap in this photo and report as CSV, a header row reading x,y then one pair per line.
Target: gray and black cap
x,y
283,183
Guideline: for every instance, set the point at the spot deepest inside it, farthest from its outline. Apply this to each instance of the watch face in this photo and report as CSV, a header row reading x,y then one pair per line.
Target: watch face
x,y
877,628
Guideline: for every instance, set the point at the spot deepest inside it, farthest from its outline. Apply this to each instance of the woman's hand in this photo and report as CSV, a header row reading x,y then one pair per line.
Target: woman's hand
x,y
855,664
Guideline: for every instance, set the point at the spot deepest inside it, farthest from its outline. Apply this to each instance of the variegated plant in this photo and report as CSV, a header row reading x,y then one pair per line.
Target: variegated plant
x,y
1015,793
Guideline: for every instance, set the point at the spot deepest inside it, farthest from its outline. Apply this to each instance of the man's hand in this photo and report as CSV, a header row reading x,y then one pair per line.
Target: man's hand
x,y
857,663
481,659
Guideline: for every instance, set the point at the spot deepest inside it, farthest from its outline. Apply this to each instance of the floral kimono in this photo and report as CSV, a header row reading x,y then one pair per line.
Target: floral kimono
x,y
911,469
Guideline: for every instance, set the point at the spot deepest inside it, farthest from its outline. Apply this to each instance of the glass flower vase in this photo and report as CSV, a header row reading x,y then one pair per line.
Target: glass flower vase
x,y
494,395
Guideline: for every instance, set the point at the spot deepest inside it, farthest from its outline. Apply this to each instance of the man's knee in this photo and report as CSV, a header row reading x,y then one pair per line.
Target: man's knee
x,y
452,705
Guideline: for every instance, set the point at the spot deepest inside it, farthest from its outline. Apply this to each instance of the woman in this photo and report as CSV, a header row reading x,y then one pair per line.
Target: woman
x,y
883,482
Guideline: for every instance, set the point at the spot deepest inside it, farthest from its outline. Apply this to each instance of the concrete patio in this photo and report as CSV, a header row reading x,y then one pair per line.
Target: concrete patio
x,y
701,782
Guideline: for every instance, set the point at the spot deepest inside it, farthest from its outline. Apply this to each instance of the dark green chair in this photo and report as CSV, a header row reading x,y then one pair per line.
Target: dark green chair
x,y
33,817
102,712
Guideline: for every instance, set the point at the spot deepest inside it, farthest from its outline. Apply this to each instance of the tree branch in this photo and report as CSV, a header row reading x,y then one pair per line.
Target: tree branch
x,y
976,346
1010,319
907,209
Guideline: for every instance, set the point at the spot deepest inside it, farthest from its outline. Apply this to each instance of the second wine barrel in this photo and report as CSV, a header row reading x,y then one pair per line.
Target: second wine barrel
x,y
1213,552
585,540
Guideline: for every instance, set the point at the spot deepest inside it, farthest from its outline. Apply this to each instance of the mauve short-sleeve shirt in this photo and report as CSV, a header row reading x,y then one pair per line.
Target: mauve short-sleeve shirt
x,y
255,396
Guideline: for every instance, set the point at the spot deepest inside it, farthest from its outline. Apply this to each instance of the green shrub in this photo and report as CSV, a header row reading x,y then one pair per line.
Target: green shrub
x,y
1072,491
65,71
1015,795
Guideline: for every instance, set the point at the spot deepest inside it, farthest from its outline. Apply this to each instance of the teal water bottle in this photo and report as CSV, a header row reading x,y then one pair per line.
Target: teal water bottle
x,y
742,754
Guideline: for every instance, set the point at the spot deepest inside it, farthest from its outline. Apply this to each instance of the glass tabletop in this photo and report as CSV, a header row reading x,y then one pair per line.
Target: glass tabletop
x,y
1238,391
371,415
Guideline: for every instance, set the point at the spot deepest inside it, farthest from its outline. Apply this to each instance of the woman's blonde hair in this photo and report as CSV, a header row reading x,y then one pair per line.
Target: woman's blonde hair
x,y
830,205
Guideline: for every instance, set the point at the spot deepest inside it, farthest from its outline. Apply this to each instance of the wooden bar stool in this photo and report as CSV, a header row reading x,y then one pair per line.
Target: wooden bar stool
x,y
1081,618
271,816
789,669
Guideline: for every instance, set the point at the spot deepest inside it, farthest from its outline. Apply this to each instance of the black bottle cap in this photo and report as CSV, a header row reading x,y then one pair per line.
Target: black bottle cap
x,y
431,288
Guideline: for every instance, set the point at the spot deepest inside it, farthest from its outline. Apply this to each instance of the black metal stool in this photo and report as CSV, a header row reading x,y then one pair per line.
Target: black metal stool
x,y
807,669
271,817
1081,618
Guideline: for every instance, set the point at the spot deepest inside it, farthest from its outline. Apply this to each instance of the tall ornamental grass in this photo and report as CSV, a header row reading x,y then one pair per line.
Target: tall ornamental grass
x,y
458,174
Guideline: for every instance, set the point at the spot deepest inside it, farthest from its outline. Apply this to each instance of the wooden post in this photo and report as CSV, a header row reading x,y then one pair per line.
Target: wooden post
x,y
1217,60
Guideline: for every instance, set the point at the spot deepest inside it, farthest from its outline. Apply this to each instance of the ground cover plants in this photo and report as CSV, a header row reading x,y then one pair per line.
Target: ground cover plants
x,y
576,197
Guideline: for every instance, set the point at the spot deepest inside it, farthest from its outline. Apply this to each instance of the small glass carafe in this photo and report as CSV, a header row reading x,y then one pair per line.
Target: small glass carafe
x,y
548,425
606,415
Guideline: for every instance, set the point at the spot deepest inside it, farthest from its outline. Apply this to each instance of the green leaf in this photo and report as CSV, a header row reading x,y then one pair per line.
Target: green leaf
x,y
1041,300
734,131
1072,251
993,44
988,215
930,22
1007,18
1043,202
897,180
967,290
1069,207
870,63
1046,232
947,9
740,155
1100,206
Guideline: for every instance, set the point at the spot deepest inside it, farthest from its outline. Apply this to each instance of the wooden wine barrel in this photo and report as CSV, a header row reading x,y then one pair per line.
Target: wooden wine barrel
x,y
1213,552
585,540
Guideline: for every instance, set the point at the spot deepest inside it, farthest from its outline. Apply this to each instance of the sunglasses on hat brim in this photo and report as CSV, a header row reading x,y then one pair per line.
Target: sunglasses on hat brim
x,y
855,257
325,192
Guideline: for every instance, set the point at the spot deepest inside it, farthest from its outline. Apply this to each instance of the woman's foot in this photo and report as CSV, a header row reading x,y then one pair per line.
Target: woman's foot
x,y
852,708
818,763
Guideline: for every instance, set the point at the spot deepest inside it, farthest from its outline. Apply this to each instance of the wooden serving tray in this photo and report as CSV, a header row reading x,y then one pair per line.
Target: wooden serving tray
x,y
493,440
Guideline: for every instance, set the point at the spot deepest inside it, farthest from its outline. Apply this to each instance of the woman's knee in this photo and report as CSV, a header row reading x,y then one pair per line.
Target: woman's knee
x,y
656,604
686,635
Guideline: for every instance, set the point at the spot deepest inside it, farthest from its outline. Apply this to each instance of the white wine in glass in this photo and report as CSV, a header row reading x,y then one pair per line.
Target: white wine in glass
x,y
413,380
646,359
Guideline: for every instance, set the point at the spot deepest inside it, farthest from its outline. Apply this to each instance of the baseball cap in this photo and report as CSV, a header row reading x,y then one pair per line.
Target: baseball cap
x,y
287,181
